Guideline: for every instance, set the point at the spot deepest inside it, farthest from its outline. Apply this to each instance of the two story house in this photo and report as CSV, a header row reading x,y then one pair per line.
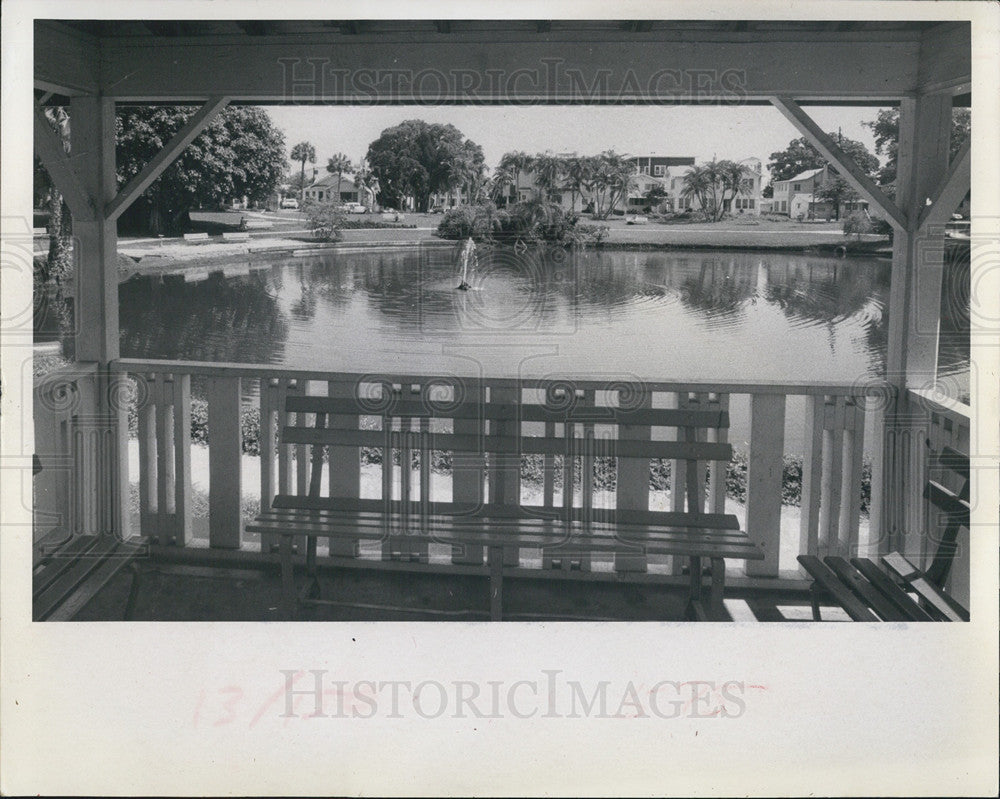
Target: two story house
x,y
798,196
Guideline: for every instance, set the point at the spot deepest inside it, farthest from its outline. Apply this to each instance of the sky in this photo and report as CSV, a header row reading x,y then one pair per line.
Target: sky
x,y
698,131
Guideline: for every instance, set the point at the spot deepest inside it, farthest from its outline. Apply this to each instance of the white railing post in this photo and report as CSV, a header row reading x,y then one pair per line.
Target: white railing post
x,y
224,460
764,480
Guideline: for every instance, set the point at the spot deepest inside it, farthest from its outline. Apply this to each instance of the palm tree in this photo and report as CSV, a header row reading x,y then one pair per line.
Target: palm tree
x,y
702,183
735,177
612,176
502,177
302,152
548,170
513,163
579,174
338,165
363,180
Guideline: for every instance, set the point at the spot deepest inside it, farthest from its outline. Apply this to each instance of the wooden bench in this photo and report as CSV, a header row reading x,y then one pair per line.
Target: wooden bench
x,y
196,238
241,236
70,569
900,591
494,437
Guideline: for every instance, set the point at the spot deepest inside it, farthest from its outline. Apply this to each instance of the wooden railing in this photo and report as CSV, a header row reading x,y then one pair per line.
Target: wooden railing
x,y
78,450
833,443
925,424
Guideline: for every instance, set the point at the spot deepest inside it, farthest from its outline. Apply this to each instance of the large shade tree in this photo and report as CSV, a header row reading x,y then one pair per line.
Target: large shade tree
x,y
240,153
417,159
800,156
47,195
885,128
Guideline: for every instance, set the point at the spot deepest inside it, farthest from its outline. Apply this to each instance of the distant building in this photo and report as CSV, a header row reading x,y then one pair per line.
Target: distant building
x,y
449,199
798,198
650,171
325,190
747,200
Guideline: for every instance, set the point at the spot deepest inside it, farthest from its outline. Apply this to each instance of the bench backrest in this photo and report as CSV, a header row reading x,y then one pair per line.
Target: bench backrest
x,y
560,430
947,491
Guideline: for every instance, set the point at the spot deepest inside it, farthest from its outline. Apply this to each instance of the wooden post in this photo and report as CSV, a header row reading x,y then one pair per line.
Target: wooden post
x,y
505,470
764,480
467,470
92,148
344,464
915,288
224,453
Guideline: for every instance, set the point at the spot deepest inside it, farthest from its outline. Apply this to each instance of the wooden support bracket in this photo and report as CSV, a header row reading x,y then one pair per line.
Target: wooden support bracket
x,y
163,159
851,172
949,193
49,148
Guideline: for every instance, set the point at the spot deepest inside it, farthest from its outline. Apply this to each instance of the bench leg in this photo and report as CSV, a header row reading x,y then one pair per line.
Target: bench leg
x,y
815,594
718,586
133,591
496,583
288,599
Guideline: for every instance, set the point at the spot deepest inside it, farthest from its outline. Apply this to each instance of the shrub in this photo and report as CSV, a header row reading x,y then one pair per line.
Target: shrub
x,y
882,228
324,219
857,224
479,221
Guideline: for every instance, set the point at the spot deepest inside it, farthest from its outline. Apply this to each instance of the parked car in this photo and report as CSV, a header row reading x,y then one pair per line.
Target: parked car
x,y
290,202
635,219
355,208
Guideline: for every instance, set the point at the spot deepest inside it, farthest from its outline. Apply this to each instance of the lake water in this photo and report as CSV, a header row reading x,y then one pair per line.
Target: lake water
x,y
722,316
685,315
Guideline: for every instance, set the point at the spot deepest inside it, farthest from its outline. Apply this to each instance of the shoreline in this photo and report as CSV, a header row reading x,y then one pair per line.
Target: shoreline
x,y
177,258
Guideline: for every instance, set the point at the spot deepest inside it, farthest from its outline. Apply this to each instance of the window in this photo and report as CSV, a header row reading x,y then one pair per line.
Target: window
x,y
659,170
750,204
796,187
644,170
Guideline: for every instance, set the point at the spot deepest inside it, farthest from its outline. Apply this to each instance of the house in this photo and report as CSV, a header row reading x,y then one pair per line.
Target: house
x,y
797,196
325,190
746,201
449,199
650,171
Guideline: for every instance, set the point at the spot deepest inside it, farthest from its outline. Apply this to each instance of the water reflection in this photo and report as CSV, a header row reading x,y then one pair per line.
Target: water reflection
x,y
719,315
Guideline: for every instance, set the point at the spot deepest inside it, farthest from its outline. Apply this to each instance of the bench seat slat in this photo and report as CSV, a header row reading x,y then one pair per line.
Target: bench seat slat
x,y
864,590
942,605
669,543
638,536
823,575
95,566
278,515
446,510
524,445
890,590
61,559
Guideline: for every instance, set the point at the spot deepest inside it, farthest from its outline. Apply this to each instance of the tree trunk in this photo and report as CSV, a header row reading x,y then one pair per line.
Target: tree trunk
x,y
59,262
302,182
